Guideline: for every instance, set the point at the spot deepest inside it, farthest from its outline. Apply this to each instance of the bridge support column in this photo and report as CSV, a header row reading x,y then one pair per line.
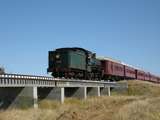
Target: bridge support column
x,y
35,97
109,91
105,91
93,91
80,92
21,97
49,93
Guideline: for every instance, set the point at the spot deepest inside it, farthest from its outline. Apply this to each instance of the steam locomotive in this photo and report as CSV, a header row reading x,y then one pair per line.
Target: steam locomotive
x,y
74,63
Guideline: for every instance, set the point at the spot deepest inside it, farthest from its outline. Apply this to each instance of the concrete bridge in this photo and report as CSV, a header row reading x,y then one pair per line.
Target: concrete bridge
x,y
26,90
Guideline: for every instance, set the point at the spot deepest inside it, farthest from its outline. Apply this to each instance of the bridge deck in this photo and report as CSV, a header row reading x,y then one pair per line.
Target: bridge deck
x,y
17,80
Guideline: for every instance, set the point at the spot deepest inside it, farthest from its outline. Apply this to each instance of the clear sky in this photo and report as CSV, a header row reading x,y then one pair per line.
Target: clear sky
x,y
128,30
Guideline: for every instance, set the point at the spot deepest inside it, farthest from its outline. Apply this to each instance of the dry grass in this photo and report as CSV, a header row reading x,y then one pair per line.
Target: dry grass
x,y
148,109
142,88
140,102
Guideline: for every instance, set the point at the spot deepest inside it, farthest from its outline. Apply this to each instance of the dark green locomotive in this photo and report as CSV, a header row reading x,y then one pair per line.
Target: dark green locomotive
x,y
74,63
2,71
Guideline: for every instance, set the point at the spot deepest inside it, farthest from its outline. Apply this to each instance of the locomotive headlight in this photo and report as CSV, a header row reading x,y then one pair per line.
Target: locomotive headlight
x,y
57,56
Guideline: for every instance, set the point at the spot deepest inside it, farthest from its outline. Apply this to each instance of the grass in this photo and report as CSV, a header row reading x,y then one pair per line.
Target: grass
x,y
140,88
147,109
139,102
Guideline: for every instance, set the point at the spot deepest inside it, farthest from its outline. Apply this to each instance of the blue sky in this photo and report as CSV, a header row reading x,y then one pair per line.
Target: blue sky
x,y
128,30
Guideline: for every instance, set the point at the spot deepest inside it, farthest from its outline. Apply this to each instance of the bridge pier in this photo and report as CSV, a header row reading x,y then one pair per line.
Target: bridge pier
x,y
76,92
20,97
51,93
105,91
60,94
93,91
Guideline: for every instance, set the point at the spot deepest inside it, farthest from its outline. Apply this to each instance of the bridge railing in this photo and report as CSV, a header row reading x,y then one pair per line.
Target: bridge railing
x,y
18,80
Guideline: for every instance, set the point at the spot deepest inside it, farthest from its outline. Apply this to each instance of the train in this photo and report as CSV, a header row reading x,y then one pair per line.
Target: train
x,y
2,71
79,63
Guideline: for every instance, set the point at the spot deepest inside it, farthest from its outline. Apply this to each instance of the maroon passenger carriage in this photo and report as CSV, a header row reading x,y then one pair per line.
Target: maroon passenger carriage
x,y
140,75
153,78
116,70
147,76
111,69
129,71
